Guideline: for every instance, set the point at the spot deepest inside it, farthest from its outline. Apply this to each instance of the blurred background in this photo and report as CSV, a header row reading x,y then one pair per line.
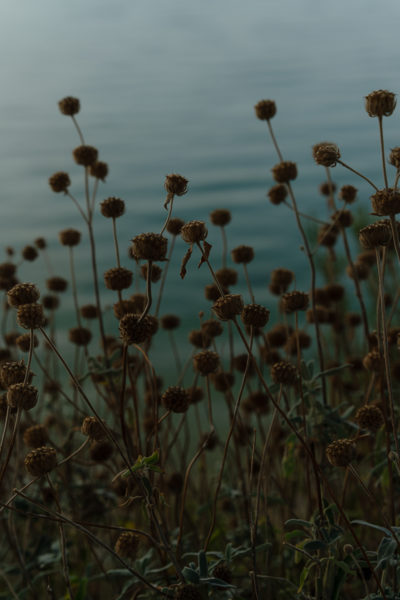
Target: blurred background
x,y
170,87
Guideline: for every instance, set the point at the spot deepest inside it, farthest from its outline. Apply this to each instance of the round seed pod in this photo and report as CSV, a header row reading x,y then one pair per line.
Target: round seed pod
x,y
156,273
327,188
284,373
5,355
112,207
11,338
170,322
302,338
348,193
353,319
255,315
326,154
282,278
174,226
212,328
12,372
133,330
227,307
36,436
123,308
69,237
386,202
175,184
194,231
176,398
368,258
373,361
265,110
277,194
99,170
206,362
277,336
80,336
380,103
22,293
93,429
69,106
89,311
242,254
327,235
220,217
259,402
361,269
341,452
30,316
29,253
369,417
394,157
118,278
199,339
174,482
321,313
269,356
149,246
226,276
22,395
7,270
59,182
85,155
344,218
334,291
196,394
50,302
223,381
375,235
294,301
240,362
127,545
56,284
40,461
139,301
101,451
211,292
284,171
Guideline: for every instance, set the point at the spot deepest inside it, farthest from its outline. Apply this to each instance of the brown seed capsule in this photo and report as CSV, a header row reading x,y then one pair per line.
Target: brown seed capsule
x,y
282,278
133,330
40,461
265,110
212,328
69,106
226,276
284,171
80,336
341,452
284,373
386,202
259,402
40,243
89,311
375,235
170,322
149,246
361,270
30,316
211,292
348,193
223,381
242,254
176,399
50,302
277,336
85,155
320,314
373,361
327,188
12,372
56,284
206,362
101,451
176,185
174,226
368,257
394,157
269,355
156,273
139,301
24,341
123,308
343,218
196,394
29,253
199,339
227,307
127,545
99,170
240,364
69,237
255,315
220,217
380,103
194,231
326,154
22,395
118,278
174,482
334,291
353,319
59,182
301,338
327,235
22,293
7,270
93,429
277,194
36,436
294,301
369,417
112,207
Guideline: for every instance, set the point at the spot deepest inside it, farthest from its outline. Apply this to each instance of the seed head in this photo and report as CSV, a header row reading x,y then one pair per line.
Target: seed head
x,y
199,339
7,270
56,284
255,315
380,103
101,451
301,337
194,231
386,202
36,436
22,395
341,452
348,193
176,398
50,302
343,218
29,253
369,417
93,429
149,246
176,185
240,364
212,328
85,155
23,342
220,217
40,243
69,237
211,292
99,170
40,461
284,373
112,207
223,381
326,154
69,106
327,235
170,322
394,157
242,254
59,182
30,316
373,361
133,331
12,372
22,293
293,301
123,308
265,110
327,188
127,545
227,307
174,226
80,336
118,278
375,235
277,194
361,270
89,311
226,276
156,273
277,336
206,362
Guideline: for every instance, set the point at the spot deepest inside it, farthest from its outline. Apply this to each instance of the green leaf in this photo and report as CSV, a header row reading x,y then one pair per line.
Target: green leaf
x,y
152,459
303,577
203,565
297,523
378,527
190,575
314,545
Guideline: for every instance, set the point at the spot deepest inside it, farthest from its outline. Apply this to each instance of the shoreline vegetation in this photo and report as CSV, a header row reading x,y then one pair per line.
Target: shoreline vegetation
x,y
115,485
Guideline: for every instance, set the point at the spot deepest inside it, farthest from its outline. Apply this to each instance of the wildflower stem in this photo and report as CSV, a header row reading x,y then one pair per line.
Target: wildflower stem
x,y
357,173
382,151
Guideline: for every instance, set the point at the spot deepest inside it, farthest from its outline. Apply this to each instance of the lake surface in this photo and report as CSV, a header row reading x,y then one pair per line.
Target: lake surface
x,y
169,86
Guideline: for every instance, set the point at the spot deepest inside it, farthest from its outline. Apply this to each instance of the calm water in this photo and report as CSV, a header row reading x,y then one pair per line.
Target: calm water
x,y
170,87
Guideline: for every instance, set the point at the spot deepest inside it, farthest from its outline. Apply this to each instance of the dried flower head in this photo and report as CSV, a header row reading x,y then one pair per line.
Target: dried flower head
x,y
7,270
369,417
89,311
101,451
118,278
50,302
170,322
380,103
226,276
30,316
29,253
40,461
175,225
242,254
198,338
228,307
282,278
223,381
386,202
375,235
348,193
69,106
255,315
206,362
327,235
99,170
176,399
80,336
265,110
359,270
40,243
341,452
212,292
22,293
343,218
373,361
93,429
56,284
22,395
23,342
212,328
394,157
12,372
176,185
85,155
59,182
220,217
194,231
293,301
284,373
112,207
36,436
326,154
69,237
134,330
284,171
127,545
327,188
149,246
277,194
155,275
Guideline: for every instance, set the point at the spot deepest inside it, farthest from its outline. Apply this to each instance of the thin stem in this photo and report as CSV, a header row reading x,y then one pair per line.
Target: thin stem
x,y
170,201
246,274
356,283
305,216
395,235
148,291
274,140
75,201
357,173
75,122
116,241
383,151
164,276
224,246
